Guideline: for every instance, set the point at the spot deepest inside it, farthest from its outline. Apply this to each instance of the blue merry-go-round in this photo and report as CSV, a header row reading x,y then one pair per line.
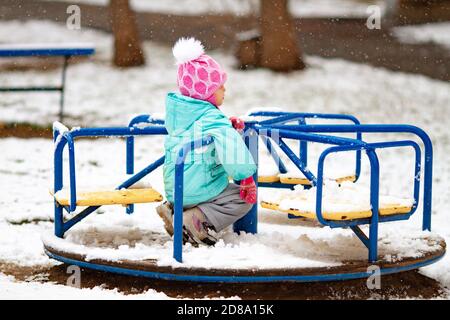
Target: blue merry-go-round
x,y
264,129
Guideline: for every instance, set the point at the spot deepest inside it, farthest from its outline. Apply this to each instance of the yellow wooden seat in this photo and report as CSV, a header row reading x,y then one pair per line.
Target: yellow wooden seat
x,y
268,179
111,197
306,182
384,210
295,181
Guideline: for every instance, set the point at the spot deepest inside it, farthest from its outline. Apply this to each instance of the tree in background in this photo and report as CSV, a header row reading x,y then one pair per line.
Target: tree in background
x,y
279,45
275,45
423,11
127,46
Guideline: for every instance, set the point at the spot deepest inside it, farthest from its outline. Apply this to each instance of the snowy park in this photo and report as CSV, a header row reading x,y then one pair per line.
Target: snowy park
x,y
329,76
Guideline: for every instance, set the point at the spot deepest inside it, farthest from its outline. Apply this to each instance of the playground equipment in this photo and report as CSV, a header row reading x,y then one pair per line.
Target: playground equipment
x,y
46,50
271,128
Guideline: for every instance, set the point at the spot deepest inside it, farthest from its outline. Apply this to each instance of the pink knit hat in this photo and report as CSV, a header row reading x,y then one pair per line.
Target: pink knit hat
x,y
199,75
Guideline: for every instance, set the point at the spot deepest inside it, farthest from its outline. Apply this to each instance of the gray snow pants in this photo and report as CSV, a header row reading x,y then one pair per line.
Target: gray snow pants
x,y
225,209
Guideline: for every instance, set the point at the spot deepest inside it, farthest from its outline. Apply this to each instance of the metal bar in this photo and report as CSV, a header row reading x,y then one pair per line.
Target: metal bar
x,y
83,214
130,141
129,209
339,224
319,186
46,52
130,165
23,89
297,162
286,132
249,222
72,181
130,155
58,181
307,137
291,116
361,235
358,158
68,136
241,279
141,174
139,119
178,194
358,222
145,118
417,163
374,197
66,208
178,212
117,131
391,128
374,201
303,152
276,185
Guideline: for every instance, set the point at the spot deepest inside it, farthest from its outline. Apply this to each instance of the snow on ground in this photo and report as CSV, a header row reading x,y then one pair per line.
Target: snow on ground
x,y
438,33
14,290
94,98
115,242
298,8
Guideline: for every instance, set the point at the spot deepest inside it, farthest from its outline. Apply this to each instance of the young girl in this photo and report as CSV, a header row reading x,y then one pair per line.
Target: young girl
x,y
211,202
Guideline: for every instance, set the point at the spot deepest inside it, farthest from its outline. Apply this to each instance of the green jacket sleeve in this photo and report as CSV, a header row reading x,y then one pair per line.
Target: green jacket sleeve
x,y
231,150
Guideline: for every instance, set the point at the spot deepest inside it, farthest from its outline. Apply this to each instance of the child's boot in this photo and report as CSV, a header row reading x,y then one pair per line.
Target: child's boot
x,y
165,211
197,227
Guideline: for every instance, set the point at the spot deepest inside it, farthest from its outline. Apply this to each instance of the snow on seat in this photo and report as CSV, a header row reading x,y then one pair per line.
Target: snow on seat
x,y
347,202
110,197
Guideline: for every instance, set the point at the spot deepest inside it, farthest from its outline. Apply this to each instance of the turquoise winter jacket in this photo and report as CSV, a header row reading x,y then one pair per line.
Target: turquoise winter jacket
x,y
207,170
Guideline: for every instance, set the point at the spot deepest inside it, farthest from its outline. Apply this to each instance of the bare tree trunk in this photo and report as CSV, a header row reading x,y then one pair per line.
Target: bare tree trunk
x,y
423,11
127,46
279,47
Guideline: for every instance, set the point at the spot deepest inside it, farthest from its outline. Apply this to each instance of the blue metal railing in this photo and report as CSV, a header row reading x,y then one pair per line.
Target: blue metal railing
x,y
384,128
144,118
67,138
266,130
178,194
345,144
134,123
279,118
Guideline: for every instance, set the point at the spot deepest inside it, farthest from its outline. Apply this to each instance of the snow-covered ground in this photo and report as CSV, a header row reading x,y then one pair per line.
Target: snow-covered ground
x,y
100,95
298,8
438,33
15,290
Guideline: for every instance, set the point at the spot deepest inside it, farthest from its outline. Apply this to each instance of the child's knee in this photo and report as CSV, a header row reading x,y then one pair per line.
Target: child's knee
x,y
245,208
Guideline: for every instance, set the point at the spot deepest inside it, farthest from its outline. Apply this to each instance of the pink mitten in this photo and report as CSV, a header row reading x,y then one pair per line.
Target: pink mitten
x,y
248,190
237,123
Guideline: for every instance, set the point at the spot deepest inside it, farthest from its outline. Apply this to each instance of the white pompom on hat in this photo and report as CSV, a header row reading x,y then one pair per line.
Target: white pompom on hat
x,y
199,75
187,49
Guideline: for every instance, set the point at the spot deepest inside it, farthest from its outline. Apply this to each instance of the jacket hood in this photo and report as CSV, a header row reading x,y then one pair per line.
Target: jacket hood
x,y
183,111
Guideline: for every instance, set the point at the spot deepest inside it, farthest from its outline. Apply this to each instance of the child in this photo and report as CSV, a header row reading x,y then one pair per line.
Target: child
x,y
211,202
